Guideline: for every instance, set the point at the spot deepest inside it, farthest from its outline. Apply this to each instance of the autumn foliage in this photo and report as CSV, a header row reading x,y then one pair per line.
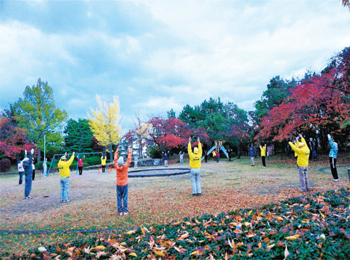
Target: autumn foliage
x,y
13,140
318,103
172,133
308,227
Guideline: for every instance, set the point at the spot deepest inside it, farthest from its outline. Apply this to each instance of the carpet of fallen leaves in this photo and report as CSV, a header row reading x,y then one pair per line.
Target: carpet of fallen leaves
x,y
226,187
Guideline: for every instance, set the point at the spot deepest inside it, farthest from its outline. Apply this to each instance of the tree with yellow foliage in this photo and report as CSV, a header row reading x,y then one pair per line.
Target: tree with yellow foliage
x,y
141,131
105,124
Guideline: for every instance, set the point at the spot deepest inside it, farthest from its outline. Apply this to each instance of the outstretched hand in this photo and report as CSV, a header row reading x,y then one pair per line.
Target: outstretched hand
x,y
32,151
189,139
198,140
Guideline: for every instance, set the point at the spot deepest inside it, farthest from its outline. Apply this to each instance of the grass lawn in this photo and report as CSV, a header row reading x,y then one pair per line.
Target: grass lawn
x,y
225,186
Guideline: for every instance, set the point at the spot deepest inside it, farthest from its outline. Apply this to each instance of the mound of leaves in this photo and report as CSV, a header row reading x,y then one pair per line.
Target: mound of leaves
x,y
308,227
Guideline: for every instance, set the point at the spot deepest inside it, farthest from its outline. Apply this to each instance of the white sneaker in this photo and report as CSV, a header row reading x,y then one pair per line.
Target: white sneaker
x,y
336,179
126,213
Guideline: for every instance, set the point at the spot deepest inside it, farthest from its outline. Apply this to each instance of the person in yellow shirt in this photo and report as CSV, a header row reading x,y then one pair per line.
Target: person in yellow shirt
x,y
63,167
263,155
214,155
303,153
103,162
195,165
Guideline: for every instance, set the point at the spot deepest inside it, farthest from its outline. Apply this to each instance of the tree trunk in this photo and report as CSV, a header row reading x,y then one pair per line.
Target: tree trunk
x,y
238,152
282,146
140,148
111,153
39,156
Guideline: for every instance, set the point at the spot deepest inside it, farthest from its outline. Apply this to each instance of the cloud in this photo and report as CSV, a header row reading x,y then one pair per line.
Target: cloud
x,y
161,55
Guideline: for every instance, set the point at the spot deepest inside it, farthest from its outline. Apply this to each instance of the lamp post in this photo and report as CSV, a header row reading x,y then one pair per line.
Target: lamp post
x,y
44,147
44,162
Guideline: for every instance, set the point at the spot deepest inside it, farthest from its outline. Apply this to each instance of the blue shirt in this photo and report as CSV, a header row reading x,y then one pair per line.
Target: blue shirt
x,y
251,151
334,149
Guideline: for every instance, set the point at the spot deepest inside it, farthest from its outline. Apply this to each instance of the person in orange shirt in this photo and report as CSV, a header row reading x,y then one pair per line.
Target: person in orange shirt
x,y
122,181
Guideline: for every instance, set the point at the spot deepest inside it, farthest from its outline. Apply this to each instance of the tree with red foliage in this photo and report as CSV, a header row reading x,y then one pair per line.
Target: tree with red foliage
x,y
13,140
171,133
313,105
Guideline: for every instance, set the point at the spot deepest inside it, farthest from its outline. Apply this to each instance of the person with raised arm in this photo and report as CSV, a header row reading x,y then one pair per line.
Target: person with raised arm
x,y
122,181
303,152
63,167
80,164
263,155
333,153
195,165
28,171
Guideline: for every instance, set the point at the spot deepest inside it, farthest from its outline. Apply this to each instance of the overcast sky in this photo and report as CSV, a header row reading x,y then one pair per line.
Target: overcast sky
x,y
161,55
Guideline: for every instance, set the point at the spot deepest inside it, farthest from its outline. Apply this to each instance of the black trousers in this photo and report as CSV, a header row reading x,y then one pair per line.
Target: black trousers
x,y
80,168
333,163
33,175
263,158
103,168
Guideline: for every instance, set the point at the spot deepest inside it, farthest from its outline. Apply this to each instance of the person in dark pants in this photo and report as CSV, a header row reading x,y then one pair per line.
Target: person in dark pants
x,y
217,155
80,164
165,158
313,151
28,171
333,153
206,156
263,155
103,162
33,167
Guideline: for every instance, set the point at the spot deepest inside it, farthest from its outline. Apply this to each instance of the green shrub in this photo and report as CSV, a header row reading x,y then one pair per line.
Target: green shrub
x,y
93,160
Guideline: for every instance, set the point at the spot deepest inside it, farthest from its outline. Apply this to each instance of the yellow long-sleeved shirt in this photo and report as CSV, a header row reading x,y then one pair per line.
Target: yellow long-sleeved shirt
x,y
103,161
263,151
63,167
195,158
303,153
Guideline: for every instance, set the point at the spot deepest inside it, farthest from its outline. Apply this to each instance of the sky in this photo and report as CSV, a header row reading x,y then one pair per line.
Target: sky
x,y
161,55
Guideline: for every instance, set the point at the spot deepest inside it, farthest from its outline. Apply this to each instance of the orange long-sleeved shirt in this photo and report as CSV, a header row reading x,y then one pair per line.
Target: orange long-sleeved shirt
x,y
122,171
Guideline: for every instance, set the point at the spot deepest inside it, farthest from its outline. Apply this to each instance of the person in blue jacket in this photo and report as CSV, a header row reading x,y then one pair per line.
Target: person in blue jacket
x,y
28,171
333,153
251,150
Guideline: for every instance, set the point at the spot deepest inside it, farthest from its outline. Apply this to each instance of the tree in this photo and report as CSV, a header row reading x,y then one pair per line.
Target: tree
x,y
78,136
140,132
13,140
197,115
105,124
346,3
312,106
237,129
171,113
38,114
172,133
277,90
